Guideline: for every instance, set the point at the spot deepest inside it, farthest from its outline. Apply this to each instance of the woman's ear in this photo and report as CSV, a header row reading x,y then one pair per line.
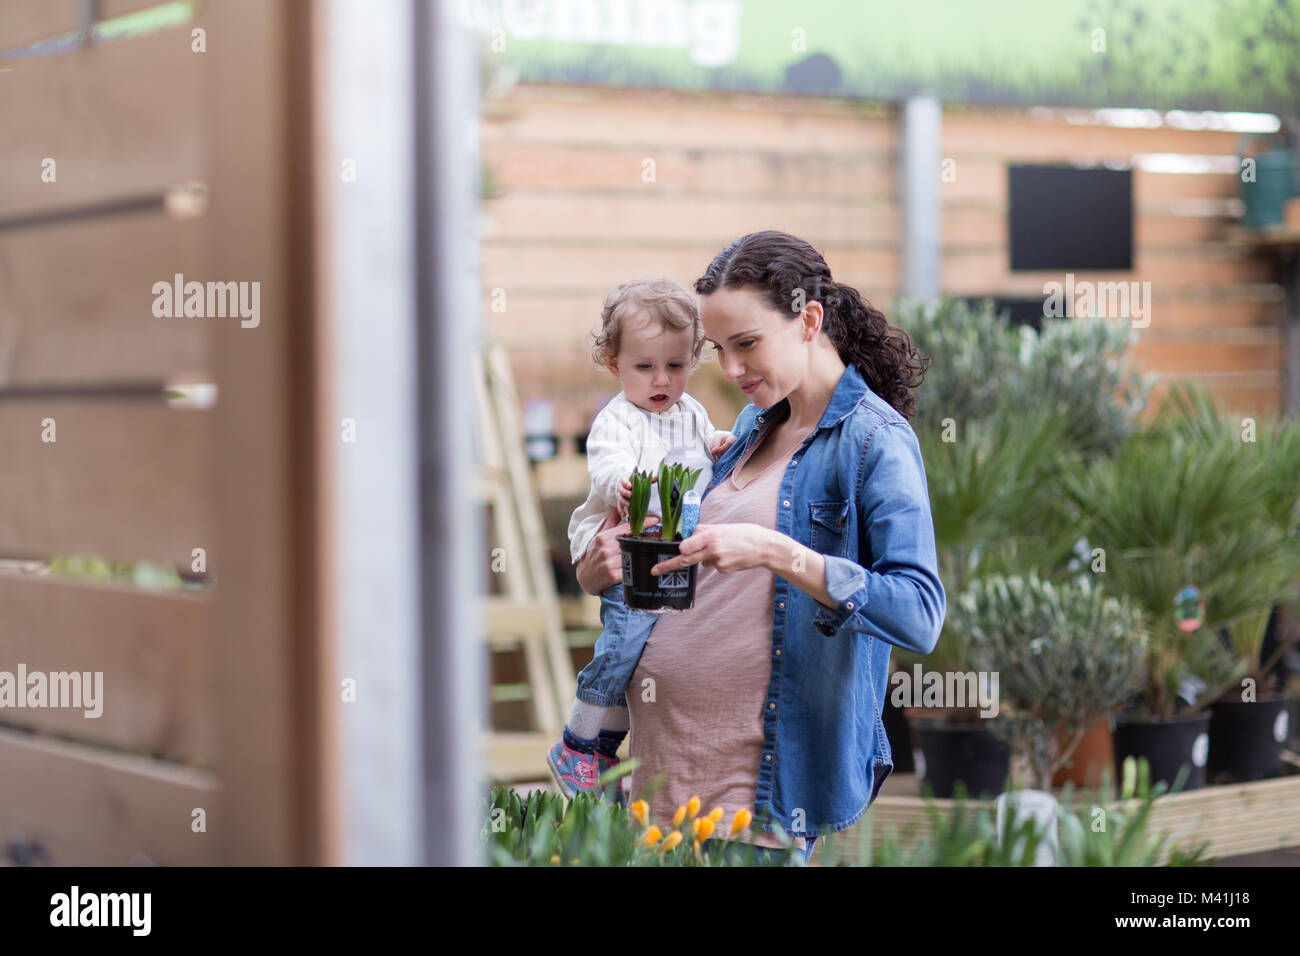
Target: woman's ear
x,y
812,320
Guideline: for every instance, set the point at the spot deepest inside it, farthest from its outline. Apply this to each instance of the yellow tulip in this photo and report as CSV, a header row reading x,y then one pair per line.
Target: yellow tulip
x,y
640,811
697,847
555,858
703,828
716,814
692,807
651,836
671,840
679,816
741,821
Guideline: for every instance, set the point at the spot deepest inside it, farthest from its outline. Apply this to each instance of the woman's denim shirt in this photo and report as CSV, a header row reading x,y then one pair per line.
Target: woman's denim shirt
x,y
855,491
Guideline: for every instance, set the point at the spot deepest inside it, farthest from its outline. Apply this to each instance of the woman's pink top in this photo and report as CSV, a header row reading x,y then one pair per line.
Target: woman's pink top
x,y
696,698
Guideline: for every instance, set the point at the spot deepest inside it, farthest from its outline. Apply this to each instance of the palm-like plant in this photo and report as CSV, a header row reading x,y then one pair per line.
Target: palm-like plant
x,y
1185,505
1275,447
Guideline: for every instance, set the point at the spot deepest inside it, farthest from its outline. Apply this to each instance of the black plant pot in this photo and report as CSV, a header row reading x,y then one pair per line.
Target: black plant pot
x,y
966,752
1247,737
643,591
1168,743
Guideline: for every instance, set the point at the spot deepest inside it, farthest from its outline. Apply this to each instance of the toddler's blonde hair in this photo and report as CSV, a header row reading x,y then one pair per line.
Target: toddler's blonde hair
x,y
664,299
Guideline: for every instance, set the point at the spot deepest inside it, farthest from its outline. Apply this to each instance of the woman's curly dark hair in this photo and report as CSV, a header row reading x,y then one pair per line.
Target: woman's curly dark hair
x,y
782,266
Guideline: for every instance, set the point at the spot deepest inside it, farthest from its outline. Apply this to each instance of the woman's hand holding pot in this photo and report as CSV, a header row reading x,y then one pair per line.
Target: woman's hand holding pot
x,y
602,565
727,547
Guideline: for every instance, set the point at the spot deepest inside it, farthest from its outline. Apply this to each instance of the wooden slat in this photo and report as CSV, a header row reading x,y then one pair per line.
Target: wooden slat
x,y
90,807
987,134
619,117
555,266
151,648
967,272
118,119
123,480
1181,358
701,172
25,21
986,179
662,217
515,756
972,223
76,303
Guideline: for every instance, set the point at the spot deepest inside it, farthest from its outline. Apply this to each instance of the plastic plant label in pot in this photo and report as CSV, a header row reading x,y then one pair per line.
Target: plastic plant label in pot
x,y
1037,805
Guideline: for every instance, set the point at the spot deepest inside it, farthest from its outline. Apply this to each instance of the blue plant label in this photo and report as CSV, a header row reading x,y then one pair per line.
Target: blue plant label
x,y
690,512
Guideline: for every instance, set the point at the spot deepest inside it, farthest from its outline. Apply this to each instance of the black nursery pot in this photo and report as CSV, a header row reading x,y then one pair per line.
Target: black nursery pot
x,y
642,591
965,752
1247,737
1168,743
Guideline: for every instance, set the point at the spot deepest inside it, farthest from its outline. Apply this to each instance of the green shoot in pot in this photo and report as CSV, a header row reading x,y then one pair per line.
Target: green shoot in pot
x,y
639,502
674,481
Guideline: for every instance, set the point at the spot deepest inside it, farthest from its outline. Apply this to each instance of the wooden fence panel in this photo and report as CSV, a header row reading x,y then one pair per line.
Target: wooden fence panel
x,y
123,480
156,695
77,302
118,119
83,806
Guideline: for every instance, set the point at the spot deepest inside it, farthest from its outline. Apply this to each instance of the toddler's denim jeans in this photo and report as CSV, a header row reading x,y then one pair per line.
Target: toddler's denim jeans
x,y
604,681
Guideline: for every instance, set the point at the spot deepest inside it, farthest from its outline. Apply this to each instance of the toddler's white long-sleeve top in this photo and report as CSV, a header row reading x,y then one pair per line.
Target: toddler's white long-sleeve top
x,y
625,438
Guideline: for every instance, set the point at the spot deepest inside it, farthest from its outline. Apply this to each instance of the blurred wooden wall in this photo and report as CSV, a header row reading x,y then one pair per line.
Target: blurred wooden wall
x,y
210,696
575,217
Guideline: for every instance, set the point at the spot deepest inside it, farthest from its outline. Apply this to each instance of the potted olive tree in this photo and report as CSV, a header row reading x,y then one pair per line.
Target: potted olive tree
x,y
1066,656
642,549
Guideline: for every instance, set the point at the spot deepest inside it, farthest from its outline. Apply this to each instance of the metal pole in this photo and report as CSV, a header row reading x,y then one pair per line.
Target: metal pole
x,y
371,271
447,295
922,123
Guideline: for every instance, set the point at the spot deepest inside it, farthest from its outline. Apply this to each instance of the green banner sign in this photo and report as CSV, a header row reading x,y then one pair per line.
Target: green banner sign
x,y
1155,54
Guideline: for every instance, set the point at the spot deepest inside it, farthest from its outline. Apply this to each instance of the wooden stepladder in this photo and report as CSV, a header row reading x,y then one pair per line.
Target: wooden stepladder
x,y
521,608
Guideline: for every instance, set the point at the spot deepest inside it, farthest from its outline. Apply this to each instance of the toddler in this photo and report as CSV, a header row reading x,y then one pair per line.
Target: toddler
x,y
650,338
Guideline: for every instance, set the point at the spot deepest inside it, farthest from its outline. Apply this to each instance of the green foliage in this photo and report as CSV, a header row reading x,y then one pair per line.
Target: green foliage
x,y
1188,503
974,354
1120,835
1066,655
1079,370
674,481
982,366
146,575
1087,835
1004,414
639,502
546,830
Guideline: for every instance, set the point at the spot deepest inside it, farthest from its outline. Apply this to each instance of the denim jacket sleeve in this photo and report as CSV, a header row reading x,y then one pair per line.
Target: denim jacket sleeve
x,y
894,591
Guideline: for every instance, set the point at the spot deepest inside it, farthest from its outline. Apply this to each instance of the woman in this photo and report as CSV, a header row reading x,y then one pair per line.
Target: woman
x,y
817,554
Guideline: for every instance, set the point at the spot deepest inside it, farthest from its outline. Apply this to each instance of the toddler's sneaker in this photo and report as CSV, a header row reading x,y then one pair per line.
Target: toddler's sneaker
x,y
576,771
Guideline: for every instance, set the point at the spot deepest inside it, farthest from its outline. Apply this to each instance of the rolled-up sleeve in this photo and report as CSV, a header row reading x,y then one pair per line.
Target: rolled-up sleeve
x,y
898,597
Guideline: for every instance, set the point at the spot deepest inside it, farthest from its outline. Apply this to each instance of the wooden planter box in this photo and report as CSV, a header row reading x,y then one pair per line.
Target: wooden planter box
x,y
1233,819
